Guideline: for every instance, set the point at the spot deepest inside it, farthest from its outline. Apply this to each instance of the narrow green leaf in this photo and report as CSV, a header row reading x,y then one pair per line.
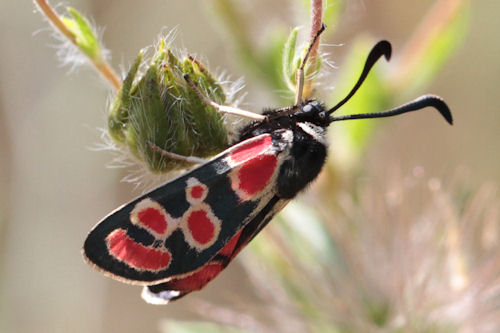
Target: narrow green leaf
x,y
308,234
438,50
86,38
288,59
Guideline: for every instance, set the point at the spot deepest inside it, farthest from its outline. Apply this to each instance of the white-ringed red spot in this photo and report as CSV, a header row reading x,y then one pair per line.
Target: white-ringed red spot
x,y
136,255
153,219
150,215
251,149
200,226
195,191
253,176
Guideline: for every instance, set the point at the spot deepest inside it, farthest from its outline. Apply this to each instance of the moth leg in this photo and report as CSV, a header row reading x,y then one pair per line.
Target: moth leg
x,y
299,78
163,152
222,108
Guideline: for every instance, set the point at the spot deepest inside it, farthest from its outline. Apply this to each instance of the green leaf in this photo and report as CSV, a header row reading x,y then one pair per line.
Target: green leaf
x,y
307,235
85,36
271,62
438,49
288,59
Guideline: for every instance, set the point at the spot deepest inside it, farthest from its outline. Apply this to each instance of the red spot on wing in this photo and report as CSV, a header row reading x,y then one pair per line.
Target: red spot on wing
x,y
195,281
251,149
255,174
197,191
136,255
207,273
200,226
153,219
228,249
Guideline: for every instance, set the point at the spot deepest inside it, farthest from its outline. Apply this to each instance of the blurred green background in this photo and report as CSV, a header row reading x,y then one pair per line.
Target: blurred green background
x,y
54,188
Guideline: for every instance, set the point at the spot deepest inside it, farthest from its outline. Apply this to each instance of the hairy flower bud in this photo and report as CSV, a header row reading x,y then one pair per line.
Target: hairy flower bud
x,y
159,107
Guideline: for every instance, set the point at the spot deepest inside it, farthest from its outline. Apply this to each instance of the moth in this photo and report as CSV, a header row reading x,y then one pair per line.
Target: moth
x,y
181,235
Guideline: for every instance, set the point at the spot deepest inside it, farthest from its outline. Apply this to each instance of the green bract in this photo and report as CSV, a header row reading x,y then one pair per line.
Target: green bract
x,y
161,108
290,64
291,61
85,37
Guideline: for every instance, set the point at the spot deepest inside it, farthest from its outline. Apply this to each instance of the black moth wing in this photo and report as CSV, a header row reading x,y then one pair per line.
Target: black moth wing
x,y
176,288
112,244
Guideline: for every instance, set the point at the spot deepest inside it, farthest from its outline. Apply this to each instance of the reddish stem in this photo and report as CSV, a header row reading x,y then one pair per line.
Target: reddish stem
x,y
316,22
100,64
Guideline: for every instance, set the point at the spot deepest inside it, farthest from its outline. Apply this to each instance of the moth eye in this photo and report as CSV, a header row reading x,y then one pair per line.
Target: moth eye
x,y
307,108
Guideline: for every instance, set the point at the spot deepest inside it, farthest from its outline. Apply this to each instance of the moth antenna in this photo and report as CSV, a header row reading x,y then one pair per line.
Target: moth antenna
x,y
222,108
299,75
415,105
382,48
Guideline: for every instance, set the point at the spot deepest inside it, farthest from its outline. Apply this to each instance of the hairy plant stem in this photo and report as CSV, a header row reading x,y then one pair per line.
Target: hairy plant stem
x,y
316,23
100,64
